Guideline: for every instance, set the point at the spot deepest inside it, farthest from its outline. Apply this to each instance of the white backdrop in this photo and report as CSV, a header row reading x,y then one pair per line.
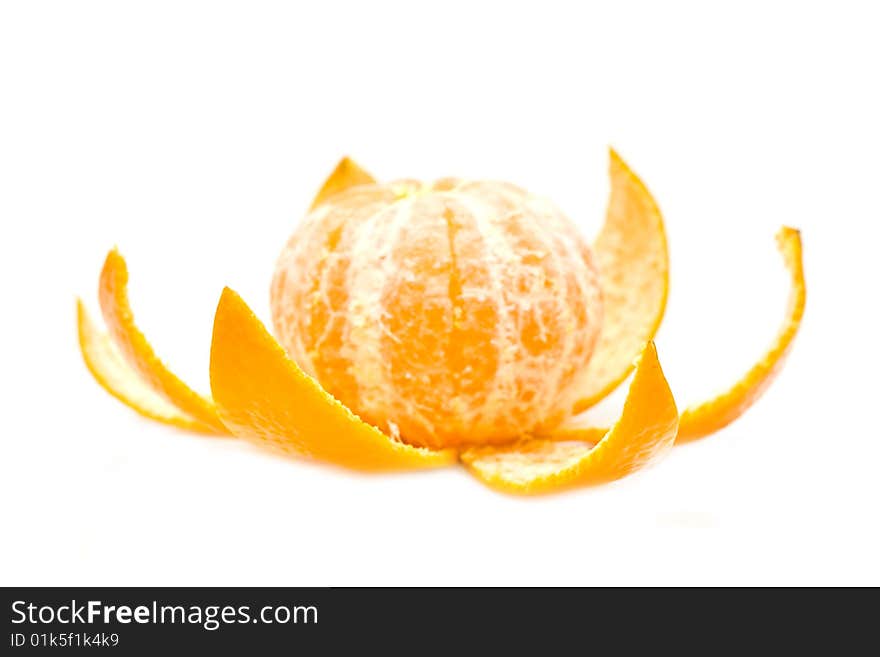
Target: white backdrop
x,y
192,135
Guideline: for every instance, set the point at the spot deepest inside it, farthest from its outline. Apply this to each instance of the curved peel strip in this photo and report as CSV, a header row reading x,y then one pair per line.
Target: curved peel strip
x,y
633,261
346,174
262,395
568,432
116,377
645,431
134,347
710,416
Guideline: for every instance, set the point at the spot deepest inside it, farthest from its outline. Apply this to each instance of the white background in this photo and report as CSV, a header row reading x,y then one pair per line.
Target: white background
x,y
193,135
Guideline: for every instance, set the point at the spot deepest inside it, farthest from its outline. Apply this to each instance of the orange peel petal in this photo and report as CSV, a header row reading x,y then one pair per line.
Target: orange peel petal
x,y
264,396
710,416
137,351
633,260
107,366
346,174
645,431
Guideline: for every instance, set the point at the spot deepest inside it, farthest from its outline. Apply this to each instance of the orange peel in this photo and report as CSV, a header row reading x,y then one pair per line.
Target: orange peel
x,y
263,396
113,373
137,351
709,416
633,259
346,174
644,432
705,418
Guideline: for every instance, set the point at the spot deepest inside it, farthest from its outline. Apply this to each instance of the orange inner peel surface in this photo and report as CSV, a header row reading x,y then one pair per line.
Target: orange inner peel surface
x,y
707,417
137,351
634,262
116,376
261,394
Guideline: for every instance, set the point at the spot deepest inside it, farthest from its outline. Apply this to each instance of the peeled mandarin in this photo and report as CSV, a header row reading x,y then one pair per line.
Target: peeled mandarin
x,y
451,313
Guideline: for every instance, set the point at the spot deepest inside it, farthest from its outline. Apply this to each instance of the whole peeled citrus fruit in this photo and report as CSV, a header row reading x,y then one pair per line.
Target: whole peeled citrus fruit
x,y
447,313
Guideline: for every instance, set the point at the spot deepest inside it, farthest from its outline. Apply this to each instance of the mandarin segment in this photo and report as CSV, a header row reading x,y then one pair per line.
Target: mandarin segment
x,y
703,419
263,396
314,282
460,311
402,354
137,351
644,432
633,263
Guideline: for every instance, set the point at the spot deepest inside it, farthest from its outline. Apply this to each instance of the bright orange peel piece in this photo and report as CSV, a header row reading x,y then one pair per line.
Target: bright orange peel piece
x,y
137,351
107,366
710,416
346,174
633,260
262,395
645,431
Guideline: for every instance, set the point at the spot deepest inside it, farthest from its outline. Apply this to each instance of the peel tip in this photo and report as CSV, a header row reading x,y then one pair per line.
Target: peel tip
x,y
114,255
788,234
230,298
114,268
649,351
615,160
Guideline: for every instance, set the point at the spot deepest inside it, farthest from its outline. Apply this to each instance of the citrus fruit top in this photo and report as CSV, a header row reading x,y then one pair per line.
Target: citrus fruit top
x,y
446,313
